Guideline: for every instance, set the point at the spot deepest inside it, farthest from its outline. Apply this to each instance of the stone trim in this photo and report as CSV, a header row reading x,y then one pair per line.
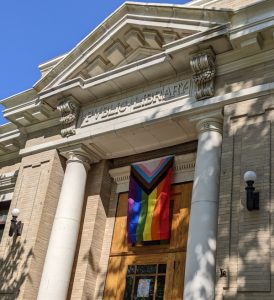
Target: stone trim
x,y
8,180
79,153
78,158
7,184
204,68
215,103
69,109
183,171
210,124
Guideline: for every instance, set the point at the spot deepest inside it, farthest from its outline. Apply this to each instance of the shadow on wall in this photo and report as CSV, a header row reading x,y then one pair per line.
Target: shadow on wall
x,y
244,237
14,269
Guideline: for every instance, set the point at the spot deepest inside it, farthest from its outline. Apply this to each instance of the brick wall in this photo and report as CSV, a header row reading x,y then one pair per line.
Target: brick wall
x,y
36,193
43,136
245,237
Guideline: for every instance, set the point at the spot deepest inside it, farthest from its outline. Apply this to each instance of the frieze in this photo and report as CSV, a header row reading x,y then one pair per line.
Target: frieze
x,y
142,101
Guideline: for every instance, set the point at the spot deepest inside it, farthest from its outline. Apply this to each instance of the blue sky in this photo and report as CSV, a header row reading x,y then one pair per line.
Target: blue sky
x,y
34,31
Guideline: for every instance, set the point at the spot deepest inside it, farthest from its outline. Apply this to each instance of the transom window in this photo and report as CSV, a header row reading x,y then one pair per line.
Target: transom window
x,y
145,282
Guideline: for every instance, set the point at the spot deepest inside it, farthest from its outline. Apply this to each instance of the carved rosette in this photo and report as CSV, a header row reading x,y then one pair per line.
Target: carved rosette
x,y
69,109
204,68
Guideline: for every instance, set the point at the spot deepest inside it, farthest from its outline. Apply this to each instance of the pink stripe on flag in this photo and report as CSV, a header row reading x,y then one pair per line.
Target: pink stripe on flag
x,y
145,170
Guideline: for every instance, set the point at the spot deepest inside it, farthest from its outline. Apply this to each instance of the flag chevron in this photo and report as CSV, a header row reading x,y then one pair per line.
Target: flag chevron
x,y
148,179
149,200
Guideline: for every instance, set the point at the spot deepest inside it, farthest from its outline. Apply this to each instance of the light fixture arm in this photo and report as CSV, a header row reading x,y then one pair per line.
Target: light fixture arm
x,y
252,197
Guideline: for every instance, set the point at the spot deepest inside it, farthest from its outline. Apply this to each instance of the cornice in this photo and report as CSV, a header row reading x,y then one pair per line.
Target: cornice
x,y
9,157
104,79
224,19
197,38
29,113
99,85
19,98
8,180
225,64
183,170
118,18
45,67
10,141
7,184
249,21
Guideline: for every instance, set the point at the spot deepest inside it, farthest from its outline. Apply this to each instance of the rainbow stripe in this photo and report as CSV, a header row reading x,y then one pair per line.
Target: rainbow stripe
x,y
148,201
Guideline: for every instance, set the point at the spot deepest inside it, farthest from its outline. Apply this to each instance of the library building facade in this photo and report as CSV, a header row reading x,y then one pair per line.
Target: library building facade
x,y
139,166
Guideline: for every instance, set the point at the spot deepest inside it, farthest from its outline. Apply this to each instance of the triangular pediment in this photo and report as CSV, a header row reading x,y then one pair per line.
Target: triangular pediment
x,y
132,34
129,45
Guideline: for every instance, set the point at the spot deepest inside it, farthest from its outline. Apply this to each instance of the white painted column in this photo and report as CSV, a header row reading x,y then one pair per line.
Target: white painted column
x,y
63,240
201,246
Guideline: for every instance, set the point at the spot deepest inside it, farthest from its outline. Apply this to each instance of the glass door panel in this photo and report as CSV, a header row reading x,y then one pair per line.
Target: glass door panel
x,y
145,282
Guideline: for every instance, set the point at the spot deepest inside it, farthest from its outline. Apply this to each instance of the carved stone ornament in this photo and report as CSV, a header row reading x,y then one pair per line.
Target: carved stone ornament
x,y
204,68
69,109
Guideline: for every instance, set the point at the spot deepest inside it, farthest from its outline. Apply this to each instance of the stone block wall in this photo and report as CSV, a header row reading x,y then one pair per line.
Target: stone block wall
x,y
231,4
245,238
36,193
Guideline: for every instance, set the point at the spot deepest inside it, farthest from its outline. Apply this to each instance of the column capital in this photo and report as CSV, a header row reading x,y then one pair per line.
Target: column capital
x,y
76,157
79,153
210,124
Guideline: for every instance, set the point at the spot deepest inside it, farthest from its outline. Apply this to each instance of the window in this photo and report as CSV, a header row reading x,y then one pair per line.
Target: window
x,y
4,209
145,282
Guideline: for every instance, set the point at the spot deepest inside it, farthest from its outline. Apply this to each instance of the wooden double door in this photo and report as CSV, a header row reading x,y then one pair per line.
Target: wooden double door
x,y
150,270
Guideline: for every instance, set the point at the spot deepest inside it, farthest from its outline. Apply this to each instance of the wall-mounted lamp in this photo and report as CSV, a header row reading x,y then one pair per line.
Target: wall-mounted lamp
x,y
15,227
252,198
223,272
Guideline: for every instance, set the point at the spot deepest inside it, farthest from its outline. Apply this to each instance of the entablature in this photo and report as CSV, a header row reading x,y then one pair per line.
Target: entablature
x,y
11,140
139,68
252,25
169,63
26,110
7,185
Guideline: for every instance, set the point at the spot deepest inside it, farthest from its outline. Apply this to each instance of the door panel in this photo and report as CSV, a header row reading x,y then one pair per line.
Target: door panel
x,y
119,240
179,271
172,253
181,196
118,266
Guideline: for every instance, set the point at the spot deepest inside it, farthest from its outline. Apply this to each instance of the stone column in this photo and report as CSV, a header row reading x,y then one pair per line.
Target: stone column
x,y
201,246
63,240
